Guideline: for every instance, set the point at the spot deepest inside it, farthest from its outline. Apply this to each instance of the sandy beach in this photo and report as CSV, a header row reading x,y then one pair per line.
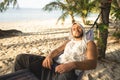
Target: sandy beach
x,y
42,37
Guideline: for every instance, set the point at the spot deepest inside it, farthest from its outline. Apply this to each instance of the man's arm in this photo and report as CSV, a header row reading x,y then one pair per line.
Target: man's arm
x,y
58,50
48,60
88,64
91,58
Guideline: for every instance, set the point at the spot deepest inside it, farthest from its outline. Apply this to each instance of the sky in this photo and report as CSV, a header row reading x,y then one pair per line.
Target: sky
x,y
32,3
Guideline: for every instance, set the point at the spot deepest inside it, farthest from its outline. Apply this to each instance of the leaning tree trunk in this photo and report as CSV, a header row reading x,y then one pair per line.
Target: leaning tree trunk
x,y
103,28
72,17
118,1
84,20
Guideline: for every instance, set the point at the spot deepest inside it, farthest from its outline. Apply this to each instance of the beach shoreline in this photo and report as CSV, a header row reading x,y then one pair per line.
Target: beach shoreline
x,y
38,25
40,38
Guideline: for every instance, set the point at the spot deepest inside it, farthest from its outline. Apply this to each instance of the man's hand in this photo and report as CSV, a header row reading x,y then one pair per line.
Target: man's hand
x,y
47,62
64,67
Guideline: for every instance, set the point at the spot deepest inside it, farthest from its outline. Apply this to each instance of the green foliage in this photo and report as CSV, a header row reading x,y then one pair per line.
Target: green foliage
x,y
54,6
83,7
101,43
4,5
95,35
88,5
115,10
72,7
117,35
87,22
102,27
65,6
62,17
99,40
116,13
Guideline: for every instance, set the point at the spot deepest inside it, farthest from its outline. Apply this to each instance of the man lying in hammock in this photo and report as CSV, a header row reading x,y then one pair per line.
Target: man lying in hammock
x,y
78,54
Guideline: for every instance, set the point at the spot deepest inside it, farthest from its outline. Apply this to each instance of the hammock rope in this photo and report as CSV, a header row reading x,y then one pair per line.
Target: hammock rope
x,y
95,22
90,32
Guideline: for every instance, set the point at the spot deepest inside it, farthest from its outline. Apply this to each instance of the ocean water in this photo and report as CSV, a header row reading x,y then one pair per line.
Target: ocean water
x,y
33,20
24,14
27,14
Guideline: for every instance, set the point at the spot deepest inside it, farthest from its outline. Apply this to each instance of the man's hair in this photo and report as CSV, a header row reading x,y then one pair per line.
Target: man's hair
x,y
75,23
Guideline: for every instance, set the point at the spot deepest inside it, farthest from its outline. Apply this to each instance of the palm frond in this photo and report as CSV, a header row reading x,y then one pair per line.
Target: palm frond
x,y
62,17
51,6
4,5
115,10
54,6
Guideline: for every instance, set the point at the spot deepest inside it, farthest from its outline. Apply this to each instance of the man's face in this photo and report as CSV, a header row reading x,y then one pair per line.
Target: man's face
x,y
77,31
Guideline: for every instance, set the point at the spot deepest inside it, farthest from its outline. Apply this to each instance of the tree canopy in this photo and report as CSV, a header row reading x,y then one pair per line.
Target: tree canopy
x,y
72,8
115,11
5,3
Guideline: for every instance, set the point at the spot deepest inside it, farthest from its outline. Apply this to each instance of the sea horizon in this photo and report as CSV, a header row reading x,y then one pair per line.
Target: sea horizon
x,y
27,14
31,14
33,20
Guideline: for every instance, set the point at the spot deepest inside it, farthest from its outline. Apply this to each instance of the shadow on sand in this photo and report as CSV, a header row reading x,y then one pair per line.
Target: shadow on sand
x,y
9,33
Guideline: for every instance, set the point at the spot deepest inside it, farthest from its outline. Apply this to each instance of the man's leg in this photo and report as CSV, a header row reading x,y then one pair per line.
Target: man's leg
x,y
29,61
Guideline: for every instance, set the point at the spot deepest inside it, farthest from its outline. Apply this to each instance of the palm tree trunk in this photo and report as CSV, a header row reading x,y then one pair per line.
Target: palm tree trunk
x,y
84,20
102,42
118,1
72,17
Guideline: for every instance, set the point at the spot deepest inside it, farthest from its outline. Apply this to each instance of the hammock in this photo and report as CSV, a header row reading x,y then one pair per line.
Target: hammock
x,y
90,32
25,74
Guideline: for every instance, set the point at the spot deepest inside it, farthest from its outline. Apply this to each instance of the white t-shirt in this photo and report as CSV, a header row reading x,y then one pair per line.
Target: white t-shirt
x,y
74,51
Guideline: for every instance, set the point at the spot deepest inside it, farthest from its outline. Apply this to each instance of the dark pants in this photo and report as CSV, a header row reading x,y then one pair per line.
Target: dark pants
x,y
34,64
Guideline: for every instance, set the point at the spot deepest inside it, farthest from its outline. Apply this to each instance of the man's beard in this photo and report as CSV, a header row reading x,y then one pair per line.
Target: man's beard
x,y
80,36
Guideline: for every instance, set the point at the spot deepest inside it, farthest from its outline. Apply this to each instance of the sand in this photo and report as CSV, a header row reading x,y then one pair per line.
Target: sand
x,y
41,38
